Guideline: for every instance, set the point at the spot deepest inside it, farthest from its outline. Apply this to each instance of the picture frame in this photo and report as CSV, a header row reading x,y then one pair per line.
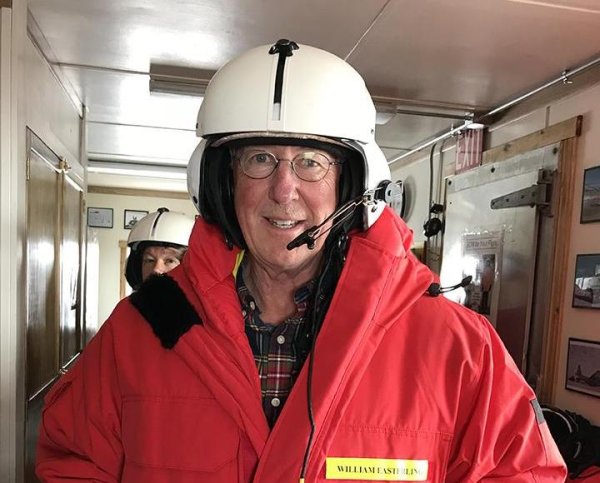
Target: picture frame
x,y
583,367
131,217
586,286
99,217
590,198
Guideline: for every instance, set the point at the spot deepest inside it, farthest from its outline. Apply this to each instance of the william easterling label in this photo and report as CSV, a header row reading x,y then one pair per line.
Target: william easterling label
x,y
376,469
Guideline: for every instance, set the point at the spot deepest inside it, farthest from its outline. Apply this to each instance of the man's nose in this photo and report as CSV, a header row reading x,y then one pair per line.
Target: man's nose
x,y
284,183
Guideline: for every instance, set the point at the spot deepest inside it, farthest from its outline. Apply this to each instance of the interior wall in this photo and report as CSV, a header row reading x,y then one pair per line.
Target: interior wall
x,y
50,113
585,238
32,96
11,193
108,239
415,177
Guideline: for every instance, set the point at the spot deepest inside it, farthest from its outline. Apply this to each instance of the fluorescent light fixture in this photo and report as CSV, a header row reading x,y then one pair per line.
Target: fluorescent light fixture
x,y
382,117
183,81
138,169
177,88
387,108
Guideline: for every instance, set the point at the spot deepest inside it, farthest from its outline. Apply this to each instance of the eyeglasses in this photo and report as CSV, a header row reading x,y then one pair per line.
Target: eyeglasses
x,y
308,166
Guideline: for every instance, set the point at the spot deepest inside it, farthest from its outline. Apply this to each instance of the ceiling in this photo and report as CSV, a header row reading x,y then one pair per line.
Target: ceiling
x,y
449,58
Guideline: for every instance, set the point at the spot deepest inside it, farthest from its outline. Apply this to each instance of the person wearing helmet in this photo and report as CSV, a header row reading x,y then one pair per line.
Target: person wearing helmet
x,y
157,244
299,340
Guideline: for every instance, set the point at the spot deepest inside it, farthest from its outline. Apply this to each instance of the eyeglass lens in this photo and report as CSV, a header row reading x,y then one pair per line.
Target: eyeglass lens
x,y
308,165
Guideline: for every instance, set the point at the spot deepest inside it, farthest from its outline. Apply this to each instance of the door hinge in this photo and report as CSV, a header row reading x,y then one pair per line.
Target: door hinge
x,y
537,195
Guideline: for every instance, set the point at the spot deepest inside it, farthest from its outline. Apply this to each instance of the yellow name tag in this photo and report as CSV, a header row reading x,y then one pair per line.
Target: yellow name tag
x,y
376,469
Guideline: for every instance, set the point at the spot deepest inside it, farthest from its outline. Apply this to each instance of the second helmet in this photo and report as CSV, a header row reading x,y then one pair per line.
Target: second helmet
x,y
160,228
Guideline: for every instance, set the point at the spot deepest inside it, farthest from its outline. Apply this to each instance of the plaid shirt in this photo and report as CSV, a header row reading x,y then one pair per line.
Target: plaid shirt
x,y
275,347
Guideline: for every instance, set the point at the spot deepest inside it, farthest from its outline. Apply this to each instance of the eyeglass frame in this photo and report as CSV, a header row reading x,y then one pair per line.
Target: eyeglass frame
x,y
234,152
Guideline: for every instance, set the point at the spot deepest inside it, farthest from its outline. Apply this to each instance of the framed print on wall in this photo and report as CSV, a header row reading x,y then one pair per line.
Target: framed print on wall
x,y
583,367
590,199
131,217
100,217
586,289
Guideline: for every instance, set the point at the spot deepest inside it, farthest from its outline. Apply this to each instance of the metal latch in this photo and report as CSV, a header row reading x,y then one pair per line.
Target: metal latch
x,y
64,165
538,194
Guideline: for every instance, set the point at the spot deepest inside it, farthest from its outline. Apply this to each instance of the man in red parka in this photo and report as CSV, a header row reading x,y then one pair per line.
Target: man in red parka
x,y
296,341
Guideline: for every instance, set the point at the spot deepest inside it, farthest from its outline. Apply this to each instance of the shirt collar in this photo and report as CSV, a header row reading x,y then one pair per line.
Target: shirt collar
x,y
302,295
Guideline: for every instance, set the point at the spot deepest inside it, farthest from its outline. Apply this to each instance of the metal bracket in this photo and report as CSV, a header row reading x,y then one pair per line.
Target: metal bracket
x,y
536,195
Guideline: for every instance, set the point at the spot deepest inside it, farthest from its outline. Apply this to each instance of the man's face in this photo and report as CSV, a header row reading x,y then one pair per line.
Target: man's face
x,y
275,210
157,259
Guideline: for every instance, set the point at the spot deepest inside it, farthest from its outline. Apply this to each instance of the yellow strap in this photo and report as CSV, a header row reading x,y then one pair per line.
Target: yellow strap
x,y
238,261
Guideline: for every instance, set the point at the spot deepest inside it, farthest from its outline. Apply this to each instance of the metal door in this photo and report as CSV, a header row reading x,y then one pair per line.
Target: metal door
x,y
43,281
70,270
54,241
501,247
42,268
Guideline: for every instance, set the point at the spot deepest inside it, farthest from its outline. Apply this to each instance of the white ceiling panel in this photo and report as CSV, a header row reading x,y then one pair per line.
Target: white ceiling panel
x,y
148,145
122,98
476,53
401,131
136,182
130,34
463,54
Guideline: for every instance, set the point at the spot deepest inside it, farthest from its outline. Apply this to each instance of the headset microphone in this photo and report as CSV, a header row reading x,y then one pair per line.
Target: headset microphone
x,y
387,191
309,236
435,289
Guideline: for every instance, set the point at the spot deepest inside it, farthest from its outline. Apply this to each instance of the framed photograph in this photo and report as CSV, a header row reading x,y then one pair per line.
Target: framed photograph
x,y
583,367
586,290
590,200
132,217
100,217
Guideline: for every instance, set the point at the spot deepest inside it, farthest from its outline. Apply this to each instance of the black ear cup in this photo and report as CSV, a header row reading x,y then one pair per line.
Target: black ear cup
x,y
216,194
434,225
133,268
394,195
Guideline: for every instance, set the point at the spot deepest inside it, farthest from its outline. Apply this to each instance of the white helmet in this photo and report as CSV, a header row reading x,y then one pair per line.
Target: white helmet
x,y
160,228
285,94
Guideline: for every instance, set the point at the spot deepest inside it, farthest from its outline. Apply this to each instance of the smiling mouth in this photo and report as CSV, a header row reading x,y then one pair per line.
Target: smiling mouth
x,y
283,224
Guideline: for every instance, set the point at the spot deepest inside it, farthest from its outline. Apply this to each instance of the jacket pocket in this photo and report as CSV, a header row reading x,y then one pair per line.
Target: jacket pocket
x,y
371,453
186,436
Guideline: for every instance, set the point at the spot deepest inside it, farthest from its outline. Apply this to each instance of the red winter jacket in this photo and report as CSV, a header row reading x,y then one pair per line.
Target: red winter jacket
x,y
406,387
